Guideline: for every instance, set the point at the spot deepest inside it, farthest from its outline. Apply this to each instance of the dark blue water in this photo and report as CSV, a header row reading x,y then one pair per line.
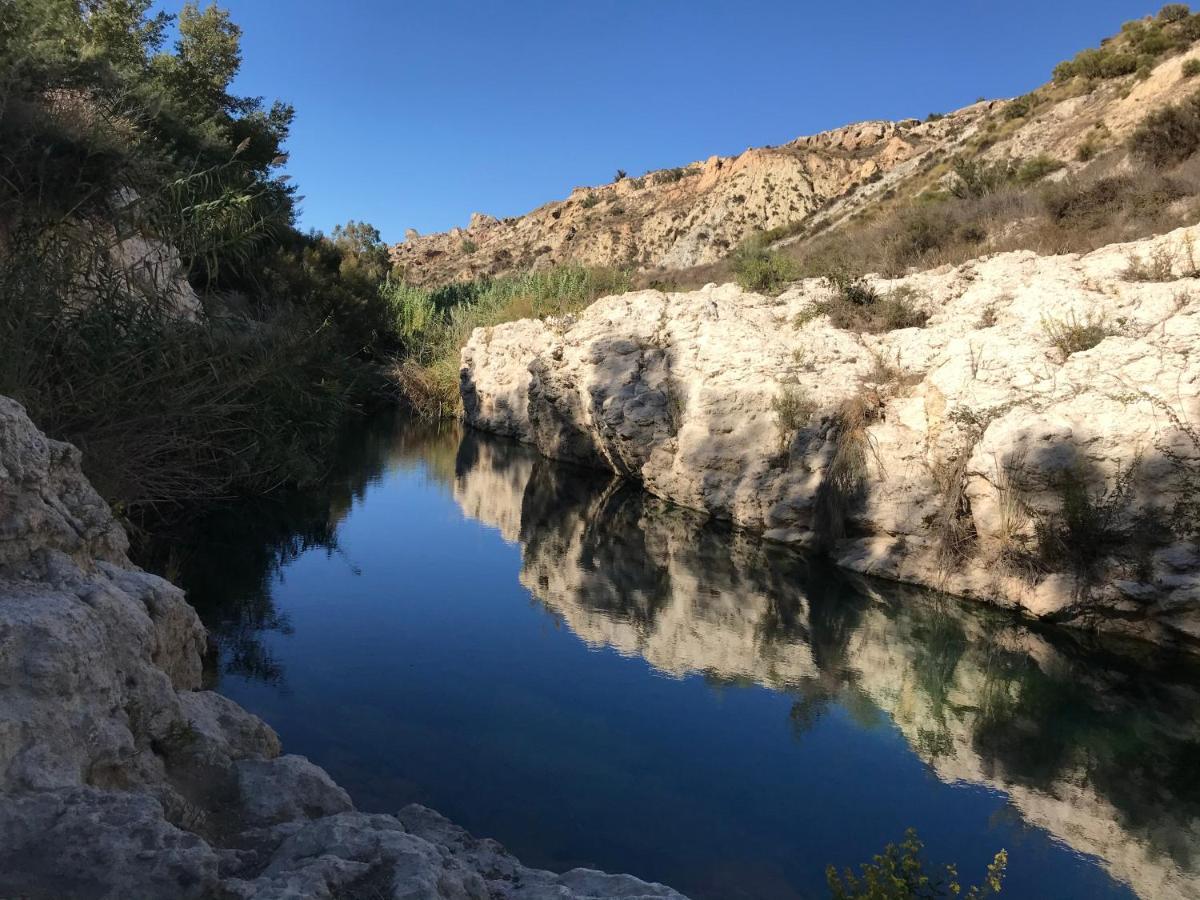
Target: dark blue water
x,y
594,678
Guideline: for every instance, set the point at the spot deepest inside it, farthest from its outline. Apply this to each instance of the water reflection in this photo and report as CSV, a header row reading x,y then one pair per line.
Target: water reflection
x,y
1098,747
1095,744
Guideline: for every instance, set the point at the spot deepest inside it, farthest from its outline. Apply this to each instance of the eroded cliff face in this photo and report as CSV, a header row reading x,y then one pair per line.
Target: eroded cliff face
x,y
1090,745
119,778
978,454
694,215
676,218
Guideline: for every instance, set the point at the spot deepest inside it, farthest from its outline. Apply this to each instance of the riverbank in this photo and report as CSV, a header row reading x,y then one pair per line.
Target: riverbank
x,y
1021,436
120,778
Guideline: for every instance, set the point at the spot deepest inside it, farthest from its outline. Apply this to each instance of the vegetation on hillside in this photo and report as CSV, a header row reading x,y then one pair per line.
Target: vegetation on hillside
x,y
434,324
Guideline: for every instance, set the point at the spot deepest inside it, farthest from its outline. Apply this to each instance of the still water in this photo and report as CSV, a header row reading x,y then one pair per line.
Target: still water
x,y
554,659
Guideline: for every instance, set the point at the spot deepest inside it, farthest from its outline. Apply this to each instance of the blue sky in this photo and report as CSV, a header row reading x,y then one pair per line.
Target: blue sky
x,y
417,114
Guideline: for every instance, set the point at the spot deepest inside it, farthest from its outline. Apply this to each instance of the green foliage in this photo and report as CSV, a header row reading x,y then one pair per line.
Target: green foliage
x,y
975,178
1096,65
434,323
1036,168
1174,12
760,269
670,176
132,175
1190,68
589,201
1168,135
1019,107
900,872
620,176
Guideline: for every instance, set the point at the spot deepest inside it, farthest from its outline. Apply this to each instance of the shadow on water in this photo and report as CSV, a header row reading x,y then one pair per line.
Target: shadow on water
x,y
1098,744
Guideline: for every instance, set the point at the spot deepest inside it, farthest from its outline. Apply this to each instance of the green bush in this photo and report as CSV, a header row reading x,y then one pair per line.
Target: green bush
x,y
435,323
901,872
1168,135
757,268
1036,168
1190,68
1174,12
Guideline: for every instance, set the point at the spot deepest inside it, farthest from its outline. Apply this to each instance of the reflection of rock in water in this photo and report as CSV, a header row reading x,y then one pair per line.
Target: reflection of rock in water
x,y
1099,750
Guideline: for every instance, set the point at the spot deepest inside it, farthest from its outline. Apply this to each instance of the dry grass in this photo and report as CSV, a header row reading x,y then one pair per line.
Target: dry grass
x,y
846,473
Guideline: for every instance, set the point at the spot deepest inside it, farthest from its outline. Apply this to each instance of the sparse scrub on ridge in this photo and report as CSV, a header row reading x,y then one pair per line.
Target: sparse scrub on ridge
x,y
1139,46
435,323
1190,68
1072,335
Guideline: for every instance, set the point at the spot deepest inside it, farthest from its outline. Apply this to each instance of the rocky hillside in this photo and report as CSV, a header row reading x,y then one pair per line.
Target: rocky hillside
x,y
1020,429
694,215
120,779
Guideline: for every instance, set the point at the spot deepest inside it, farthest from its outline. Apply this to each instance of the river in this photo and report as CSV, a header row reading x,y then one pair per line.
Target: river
x,y
552,658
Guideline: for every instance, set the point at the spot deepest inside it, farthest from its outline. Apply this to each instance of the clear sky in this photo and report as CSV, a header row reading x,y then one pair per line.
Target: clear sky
x,y
419,113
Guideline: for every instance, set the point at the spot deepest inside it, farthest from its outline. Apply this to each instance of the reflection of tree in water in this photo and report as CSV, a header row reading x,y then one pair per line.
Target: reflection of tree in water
x,y
229,558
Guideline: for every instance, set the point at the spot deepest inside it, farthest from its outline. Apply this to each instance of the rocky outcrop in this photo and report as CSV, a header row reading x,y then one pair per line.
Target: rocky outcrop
x,y
119,778
1032,446
1090,745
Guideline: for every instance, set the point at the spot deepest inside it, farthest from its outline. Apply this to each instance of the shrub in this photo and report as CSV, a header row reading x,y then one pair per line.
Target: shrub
x,y
620,176
669,176
1190,68
976,178
1036,168
1168,135
1088,525
426,373
758,269
855,305
1174,12
1070,335
1158,266
469,246
1019,107
793,410
900,872
589,201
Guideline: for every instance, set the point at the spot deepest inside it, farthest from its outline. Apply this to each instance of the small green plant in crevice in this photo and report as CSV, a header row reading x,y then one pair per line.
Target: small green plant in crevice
x,y
469,246
857,305
901,872
1190,68
793,410
1072,335
589,201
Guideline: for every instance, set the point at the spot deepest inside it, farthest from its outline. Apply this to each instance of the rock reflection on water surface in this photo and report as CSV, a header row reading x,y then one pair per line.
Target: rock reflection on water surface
x,y
1098,746
1100,749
